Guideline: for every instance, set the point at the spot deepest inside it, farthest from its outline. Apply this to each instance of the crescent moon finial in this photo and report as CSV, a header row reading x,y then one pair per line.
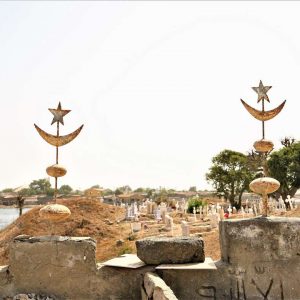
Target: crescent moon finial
x,y
263,115
57,141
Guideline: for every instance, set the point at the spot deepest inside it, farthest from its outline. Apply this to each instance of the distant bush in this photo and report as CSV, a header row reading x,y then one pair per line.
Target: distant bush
x,y
125,250
195,202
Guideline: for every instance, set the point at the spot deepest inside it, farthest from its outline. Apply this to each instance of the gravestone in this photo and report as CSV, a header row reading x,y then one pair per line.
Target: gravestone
x,y
163,211
149,207
169,224
185,228
214,220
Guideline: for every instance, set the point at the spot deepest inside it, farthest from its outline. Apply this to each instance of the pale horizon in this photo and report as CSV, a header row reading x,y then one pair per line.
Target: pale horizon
x,y
157,86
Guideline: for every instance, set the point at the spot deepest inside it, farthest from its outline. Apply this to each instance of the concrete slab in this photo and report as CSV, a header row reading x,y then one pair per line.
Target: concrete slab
x,y
130,261
208,264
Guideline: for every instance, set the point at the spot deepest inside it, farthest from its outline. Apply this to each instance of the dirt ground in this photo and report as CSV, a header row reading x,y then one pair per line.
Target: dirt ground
x,y
105,223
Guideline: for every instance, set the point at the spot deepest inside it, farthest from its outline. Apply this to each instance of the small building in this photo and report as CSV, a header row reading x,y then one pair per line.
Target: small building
x,y
31,200
8,198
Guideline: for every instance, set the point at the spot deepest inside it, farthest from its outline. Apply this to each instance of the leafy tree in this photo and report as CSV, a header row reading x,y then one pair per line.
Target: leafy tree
x,y
50,192
287,141
78,192
118,192
108,192
26,192
230,175
161,196
123,189
256,162
193,189
284,165
150,192
40,186
65,189
195,202
96,186
7,190
139,190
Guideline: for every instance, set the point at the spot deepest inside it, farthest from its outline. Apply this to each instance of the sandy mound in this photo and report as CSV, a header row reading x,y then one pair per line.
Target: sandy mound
x,y
88,218
97,220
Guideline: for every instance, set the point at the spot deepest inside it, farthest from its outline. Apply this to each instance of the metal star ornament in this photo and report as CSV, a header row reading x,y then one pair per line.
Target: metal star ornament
x,y
58,114
261,91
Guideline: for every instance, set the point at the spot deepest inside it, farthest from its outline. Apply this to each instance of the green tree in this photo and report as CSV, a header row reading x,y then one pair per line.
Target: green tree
x,y
26,192
96,186
108,192
118,192
162,195
123,189
65,189
150,192
230,175
40,186
78,192
195,202
50,192
7,190
193,189
284,165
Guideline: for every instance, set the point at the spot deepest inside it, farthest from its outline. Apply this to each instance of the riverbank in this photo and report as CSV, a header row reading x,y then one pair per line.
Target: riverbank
x,y
15,206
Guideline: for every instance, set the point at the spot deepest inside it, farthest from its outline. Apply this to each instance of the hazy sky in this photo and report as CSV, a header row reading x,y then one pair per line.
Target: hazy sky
x,y
157,85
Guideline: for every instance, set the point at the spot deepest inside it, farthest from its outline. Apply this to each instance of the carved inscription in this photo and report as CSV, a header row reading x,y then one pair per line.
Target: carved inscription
x,y
238,291
259,270
208,292
265,295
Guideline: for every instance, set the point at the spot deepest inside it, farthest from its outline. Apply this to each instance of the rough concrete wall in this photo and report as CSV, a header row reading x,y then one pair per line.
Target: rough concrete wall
x,y
261,260
66,267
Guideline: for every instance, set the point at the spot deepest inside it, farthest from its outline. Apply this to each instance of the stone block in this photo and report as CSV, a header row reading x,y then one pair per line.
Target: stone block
x,y
47,261
150,280
164,250
261,260
143,294
65,267
160,294
156,288
246,241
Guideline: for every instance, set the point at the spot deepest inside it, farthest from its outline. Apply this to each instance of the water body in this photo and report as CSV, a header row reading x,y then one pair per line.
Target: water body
x,y
8,215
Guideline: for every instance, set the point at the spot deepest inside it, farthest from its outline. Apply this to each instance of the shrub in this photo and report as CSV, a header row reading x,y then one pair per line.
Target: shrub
x,y
195,202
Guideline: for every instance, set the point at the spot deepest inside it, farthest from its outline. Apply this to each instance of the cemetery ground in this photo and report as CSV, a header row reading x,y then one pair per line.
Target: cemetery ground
x,y
107,225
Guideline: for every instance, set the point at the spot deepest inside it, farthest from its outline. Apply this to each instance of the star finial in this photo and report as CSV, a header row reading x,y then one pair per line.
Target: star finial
x,y
58,114
262,90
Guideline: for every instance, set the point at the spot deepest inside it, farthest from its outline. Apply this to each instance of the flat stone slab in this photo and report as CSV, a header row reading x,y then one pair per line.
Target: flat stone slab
x,y
208,264
130,261
170,250
52,238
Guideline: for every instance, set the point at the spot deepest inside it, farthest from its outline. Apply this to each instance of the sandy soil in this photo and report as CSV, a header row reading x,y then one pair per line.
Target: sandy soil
x,y
104,223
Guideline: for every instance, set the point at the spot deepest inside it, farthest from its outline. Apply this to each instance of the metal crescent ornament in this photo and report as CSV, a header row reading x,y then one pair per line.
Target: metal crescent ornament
x,y
58,141
263,115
